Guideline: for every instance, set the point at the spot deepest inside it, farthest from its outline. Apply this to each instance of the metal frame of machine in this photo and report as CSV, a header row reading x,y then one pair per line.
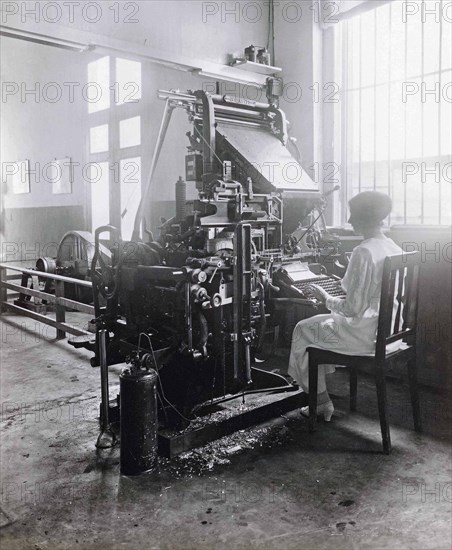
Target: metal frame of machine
x,y
195,304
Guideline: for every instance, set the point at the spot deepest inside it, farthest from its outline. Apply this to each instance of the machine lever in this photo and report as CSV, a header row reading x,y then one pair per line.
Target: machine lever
x,y
106,438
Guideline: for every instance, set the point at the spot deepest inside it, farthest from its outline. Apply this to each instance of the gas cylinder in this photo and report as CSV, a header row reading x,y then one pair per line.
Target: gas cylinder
x,y
138,420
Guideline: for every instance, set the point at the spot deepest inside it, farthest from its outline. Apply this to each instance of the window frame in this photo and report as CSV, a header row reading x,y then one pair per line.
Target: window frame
x,y
339,65
113,116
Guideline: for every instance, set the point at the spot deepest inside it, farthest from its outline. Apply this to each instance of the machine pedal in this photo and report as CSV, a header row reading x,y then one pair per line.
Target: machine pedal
x,y
83,341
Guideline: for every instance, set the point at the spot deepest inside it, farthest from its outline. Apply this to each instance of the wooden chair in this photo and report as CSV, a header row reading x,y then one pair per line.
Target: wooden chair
x,y
401,270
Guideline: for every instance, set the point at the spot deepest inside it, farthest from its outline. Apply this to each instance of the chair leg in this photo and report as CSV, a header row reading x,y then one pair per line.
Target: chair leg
x,y
353,388
313,382
383,408
412,378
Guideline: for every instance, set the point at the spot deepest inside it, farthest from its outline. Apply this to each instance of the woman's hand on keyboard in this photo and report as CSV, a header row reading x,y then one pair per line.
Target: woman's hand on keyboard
x,y
319,293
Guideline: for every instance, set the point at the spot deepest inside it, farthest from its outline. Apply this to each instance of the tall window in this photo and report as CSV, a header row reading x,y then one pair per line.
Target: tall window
x,y
397,74
115,142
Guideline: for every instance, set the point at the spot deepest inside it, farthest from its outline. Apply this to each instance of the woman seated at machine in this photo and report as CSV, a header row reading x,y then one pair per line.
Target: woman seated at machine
x,y
351,326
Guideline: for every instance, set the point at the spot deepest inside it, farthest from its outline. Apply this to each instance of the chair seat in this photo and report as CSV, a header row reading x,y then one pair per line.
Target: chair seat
x,y
334,358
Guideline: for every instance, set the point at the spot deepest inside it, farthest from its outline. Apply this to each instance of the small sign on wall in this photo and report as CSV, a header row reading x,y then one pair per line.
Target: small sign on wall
x,y
20,177
61,176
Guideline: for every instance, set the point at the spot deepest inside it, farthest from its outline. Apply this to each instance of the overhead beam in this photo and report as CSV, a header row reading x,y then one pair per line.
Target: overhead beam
x,y
82,41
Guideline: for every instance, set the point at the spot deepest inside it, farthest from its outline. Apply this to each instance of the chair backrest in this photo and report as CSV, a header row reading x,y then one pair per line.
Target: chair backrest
x,y
400,283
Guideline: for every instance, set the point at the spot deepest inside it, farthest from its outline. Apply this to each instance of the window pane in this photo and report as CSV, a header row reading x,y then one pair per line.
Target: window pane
x,y
396,150
382,176
398,194
97,92
368,48
397,122
355,179
431,44
382,122
413,198
398,29
130,194
446,205
431,118
367,176
353,127
128,81
446,60
98,139
413,123
414,45
355,53
367,125
446,113
100,195
130,132
383,43
431,195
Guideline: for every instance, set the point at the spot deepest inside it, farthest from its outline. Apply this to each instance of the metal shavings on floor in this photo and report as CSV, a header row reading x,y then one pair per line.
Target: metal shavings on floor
x,y
219,452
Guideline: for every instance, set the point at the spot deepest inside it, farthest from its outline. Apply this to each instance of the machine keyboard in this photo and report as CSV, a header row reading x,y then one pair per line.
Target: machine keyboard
x,y
331,285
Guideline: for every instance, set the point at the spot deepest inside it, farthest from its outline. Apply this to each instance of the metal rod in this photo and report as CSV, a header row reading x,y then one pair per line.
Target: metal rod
x,y
46,320
3,290
188,320
71,280
276,389
176,95
248,362
60,311
104,378
225,99
51,298
147,191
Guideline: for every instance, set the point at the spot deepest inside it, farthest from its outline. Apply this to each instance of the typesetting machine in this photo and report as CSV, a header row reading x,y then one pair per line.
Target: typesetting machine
x,y
197,303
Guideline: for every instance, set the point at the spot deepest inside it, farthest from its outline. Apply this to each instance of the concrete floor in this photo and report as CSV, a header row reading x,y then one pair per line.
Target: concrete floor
x,y
285,489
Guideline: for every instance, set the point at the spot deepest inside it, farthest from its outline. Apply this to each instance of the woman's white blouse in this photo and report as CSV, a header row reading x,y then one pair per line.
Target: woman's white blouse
x,y
362,281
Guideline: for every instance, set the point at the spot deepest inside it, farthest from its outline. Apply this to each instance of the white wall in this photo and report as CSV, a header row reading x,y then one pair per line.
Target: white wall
x,y
45,131
36,128
298,50
36,123
201,29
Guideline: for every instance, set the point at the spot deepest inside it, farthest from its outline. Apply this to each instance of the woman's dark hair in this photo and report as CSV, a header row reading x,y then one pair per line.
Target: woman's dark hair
x,y
369,207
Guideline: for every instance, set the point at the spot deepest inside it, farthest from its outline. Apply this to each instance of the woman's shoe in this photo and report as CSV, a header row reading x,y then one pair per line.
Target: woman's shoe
x,y
326,410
